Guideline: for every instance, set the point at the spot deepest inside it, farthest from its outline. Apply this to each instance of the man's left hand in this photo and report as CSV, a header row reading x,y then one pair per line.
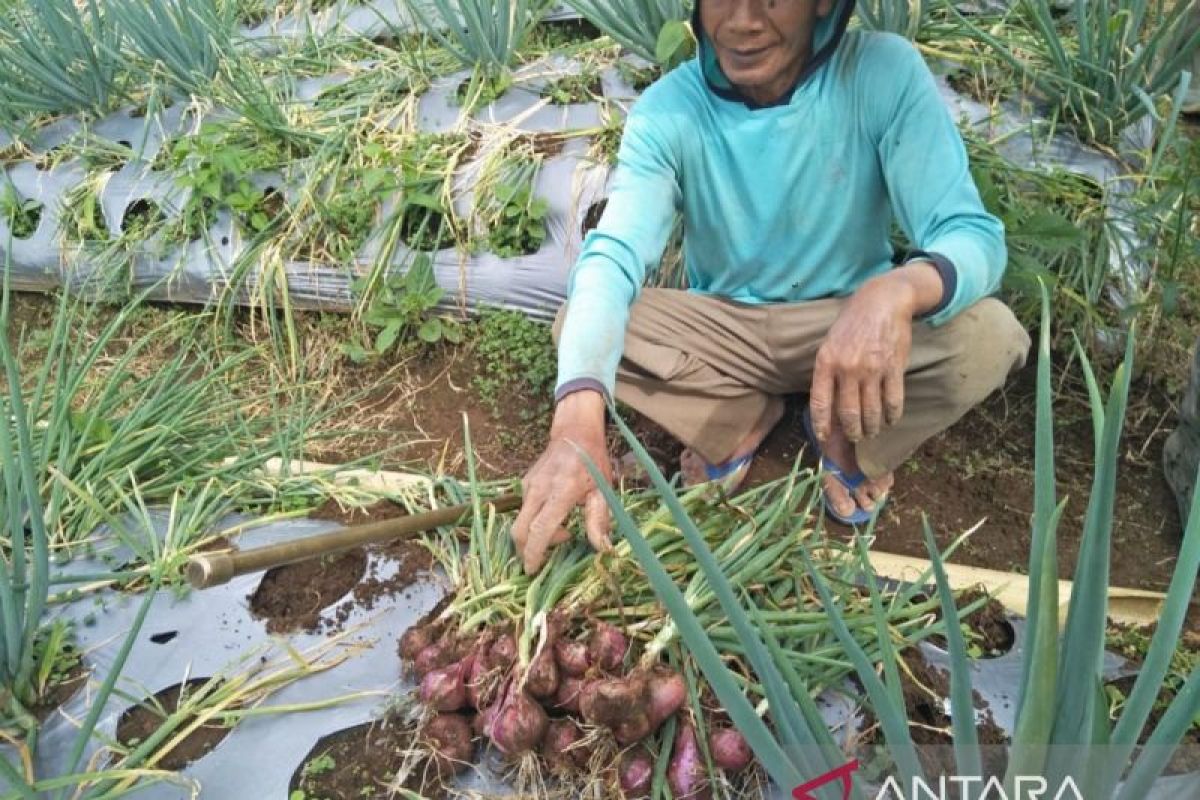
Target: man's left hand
x,y
858,377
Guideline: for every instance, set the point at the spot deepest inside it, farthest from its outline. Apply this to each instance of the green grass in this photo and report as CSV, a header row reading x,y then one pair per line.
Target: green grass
x,y
1104,67
581,88
1134,643
514,353
22,215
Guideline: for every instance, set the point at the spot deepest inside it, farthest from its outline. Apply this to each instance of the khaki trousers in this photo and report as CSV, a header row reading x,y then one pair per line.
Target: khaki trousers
x,y
705,368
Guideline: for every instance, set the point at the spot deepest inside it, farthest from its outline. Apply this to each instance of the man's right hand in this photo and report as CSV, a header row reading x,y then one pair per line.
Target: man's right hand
x,y
560,481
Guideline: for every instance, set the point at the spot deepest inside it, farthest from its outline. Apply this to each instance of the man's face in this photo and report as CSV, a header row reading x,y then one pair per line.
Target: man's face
x,y
762,44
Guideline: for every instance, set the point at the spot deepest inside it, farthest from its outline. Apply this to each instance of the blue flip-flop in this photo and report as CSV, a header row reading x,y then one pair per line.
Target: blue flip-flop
x,y
716,472
860,516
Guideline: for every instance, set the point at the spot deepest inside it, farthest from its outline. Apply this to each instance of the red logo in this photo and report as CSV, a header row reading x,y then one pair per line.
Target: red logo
x,y
843,772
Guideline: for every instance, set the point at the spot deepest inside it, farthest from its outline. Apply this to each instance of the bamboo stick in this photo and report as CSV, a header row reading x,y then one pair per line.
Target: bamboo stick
x,y
1130,606
214,569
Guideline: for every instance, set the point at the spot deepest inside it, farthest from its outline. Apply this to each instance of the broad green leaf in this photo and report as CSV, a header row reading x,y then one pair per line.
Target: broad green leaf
x,y
355,352
1049,231
387,337
430,330
424,200
674,44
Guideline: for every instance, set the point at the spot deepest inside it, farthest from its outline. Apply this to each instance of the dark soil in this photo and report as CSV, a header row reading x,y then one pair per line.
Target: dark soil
x,y
357,763
924,688
436,391
138,723
412,560
292,597
331,511
989,623
60,692
1186,757
982,469
1133,643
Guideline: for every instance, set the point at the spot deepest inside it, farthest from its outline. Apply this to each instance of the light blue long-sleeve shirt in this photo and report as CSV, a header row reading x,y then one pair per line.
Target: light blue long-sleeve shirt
x,y
784,203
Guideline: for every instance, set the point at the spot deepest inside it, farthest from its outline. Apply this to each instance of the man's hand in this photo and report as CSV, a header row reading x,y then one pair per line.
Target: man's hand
x,y
559,481
858,377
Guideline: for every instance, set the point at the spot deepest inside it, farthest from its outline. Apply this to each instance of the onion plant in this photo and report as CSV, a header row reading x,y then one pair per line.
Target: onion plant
x,y
58,56
1062,724
108,431
750,543
182,40
636,25
1124,56
484,34
25,578
905,17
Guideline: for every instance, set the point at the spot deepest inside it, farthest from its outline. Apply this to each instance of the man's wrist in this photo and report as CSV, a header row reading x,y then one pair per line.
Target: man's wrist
x,y
917,287
578,384
946,271
582,407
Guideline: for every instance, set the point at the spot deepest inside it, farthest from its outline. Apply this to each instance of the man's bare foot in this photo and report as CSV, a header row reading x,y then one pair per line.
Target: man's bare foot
x,y
695,469
839,450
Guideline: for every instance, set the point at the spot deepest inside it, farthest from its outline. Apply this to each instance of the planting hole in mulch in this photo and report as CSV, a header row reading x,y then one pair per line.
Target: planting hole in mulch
x,y
425,229
293,596
139,722
1133,643
571,89
358,763
141,217
989,633
23,216
925,689
565,32
1186,758
591,217
393,567
62,688
548,145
